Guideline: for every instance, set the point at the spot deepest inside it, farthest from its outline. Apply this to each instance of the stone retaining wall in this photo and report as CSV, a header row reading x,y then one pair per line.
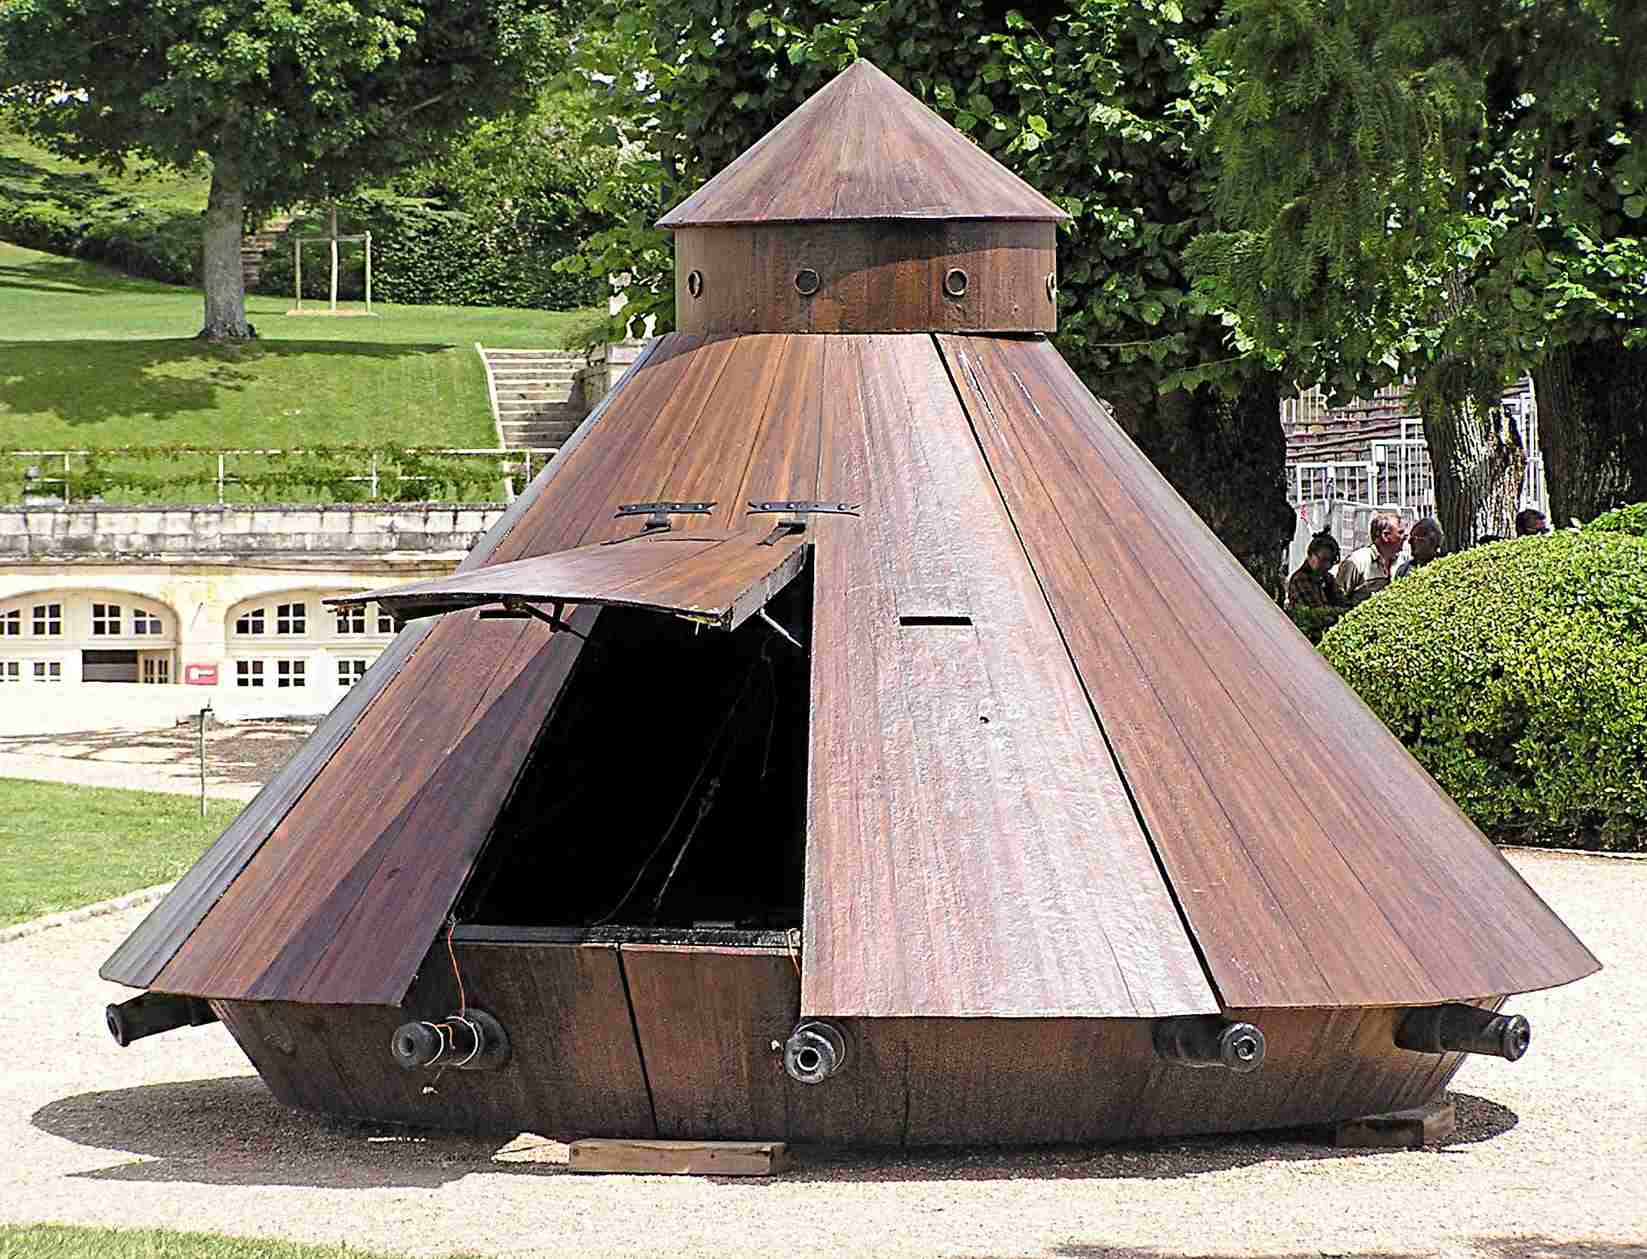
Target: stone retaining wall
x,y
102,532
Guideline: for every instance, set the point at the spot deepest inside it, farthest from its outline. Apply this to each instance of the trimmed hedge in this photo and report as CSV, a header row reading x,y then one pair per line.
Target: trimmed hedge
x,y
1517,674
156,245
1631,520
424,255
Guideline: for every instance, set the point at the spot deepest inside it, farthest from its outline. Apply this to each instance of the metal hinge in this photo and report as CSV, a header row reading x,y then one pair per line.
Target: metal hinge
x,y
796,509
657,514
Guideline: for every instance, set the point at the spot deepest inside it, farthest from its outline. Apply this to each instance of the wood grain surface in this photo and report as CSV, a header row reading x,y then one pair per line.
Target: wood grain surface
x,y
343,896
721,578
970,846
1038,681
141,956
706,1022
1315,861
573,1068
861,147
871,277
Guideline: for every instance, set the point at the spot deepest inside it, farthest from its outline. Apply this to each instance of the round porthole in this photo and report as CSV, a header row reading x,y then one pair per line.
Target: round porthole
x,y
806,281
955,282
1052,286
694,283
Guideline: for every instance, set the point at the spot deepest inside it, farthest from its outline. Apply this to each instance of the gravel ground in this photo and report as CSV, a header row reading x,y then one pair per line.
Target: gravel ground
x,y
1550,1160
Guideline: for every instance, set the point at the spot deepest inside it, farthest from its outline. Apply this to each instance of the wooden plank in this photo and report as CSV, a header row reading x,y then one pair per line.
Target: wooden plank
x,y
1411,842
872,277
706,574
802,170
346,823
576,1069
1304,875
707,1020
678,1158
141,956
340,903
970,847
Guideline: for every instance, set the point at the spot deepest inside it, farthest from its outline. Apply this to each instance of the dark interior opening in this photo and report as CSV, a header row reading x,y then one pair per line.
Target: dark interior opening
x,y
666,793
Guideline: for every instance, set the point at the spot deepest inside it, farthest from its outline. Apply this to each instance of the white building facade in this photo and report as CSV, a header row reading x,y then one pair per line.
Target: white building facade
x,y
237,610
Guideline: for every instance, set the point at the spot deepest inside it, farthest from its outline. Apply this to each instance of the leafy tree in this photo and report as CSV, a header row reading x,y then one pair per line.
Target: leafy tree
x,y
1102,104
1455,191
287,101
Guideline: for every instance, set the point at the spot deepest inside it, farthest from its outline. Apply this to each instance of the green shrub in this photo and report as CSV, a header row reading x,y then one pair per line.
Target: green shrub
x,y
1517,675
1314,622
1631,520
425,255
157,245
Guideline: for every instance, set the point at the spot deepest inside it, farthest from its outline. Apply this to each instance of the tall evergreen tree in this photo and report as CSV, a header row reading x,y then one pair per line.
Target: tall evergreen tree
x,y
1456,191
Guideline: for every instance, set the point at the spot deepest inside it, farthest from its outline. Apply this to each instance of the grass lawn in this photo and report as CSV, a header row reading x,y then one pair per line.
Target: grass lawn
x,y
90,358
62,846
31,173
57,1241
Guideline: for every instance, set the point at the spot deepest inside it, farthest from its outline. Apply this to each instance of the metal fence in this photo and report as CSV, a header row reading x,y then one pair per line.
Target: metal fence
x,y
513,461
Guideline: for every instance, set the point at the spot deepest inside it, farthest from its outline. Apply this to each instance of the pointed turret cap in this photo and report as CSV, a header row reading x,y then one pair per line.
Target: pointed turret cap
x,y
861,148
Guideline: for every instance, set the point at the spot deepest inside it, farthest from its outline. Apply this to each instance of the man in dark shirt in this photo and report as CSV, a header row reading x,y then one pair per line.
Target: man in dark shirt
x,y
1313,585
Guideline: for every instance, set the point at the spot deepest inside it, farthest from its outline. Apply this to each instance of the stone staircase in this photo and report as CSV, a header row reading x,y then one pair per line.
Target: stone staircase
x,y
534,395
258,243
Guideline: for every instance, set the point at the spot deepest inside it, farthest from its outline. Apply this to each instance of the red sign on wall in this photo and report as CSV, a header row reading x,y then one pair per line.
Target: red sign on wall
x,y
200,674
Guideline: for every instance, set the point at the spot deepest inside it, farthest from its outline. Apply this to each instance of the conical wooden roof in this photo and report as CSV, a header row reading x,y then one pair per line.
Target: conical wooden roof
x,y
861,148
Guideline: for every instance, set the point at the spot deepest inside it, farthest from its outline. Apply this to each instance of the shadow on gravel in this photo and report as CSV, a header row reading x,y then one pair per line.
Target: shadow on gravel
x,y
231,1131
1511,1247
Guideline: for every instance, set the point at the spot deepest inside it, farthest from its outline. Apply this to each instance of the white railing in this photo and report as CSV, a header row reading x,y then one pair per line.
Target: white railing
x,y
374,475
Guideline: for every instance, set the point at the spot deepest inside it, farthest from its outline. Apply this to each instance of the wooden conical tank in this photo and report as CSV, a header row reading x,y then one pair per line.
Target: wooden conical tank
x,y
852,737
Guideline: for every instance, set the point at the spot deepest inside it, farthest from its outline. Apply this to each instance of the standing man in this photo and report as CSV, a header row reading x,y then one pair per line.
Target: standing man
x,y
1369,569
1313,585
1424,543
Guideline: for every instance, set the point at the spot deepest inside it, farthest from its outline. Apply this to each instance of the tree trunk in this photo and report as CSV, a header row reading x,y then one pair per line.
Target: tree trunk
x,y
1227,457
1592,427
1479,458
225,282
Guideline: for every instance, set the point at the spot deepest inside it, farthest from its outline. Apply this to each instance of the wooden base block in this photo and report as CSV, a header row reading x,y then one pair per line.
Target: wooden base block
x,y
1430,1124
679,1158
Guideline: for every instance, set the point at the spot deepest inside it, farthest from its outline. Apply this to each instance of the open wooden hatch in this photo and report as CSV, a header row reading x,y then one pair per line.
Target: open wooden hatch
x,y
717,579
665,797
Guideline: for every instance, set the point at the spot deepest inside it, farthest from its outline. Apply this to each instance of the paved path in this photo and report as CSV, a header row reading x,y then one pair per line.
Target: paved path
x,y
175,1131
239,758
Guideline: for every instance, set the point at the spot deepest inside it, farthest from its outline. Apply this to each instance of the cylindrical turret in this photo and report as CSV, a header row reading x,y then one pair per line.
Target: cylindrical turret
x,y
805,233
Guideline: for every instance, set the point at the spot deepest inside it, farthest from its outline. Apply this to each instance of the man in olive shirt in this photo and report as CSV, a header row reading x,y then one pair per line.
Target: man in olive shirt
x,y
1369,569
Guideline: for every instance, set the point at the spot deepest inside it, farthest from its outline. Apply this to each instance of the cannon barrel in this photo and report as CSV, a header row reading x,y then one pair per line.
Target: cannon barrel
x,y
815,1050
1464,1029
151,1013
471,1041
1210,1041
